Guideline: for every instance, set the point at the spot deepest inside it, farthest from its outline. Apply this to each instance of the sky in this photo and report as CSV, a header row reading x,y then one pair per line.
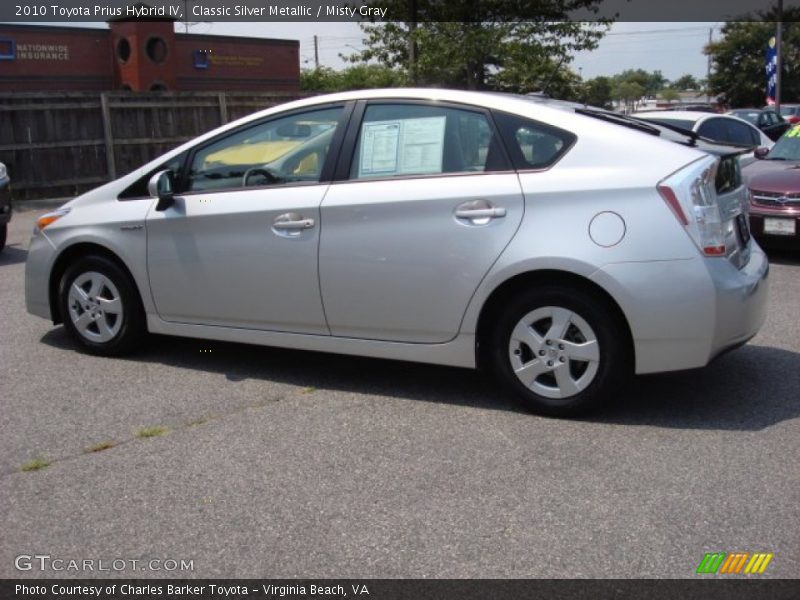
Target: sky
x,y
673,48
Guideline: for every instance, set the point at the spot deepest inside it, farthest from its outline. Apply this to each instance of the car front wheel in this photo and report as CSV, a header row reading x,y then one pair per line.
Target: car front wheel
x,y
560,351
100,307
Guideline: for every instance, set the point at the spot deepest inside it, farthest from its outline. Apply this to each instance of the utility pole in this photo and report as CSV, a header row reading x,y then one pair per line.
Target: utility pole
x,y
708,66
316,52
778,57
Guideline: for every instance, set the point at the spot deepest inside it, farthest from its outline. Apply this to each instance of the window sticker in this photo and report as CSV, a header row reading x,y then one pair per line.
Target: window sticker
x,y
402,146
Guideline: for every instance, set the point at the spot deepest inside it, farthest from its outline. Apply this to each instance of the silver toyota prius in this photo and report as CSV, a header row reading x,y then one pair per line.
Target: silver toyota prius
x,y
563,249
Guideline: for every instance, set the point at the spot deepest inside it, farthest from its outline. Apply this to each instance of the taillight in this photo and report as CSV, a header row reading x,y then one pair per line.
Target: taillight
x,y
691,196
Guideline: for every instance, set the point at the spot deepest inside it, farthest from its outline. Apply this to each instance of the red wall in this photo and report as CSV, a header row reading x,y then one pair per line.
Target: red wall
x,y
238,64
81,59
86,59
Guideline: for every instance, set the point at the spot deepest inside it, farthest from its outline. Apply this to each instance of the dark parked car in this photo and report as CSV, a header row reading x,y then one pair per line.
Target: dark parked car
x,y
766,119
774,182
5,205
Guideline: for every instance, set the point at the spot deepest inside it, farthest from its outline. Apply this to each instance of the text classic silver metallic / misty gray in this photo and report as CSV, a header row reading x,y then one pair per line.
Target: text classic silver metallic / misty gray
x,y
562,247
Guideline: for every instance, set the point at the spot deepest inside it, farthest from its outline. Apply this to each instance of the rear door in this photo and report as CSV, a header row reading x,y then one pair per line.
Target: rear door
x,y
425,202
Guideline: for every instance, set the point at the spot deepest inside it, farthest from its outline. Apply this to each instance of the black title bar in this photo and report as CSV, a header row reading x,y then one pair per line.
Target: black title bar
x,y
407,589
74,11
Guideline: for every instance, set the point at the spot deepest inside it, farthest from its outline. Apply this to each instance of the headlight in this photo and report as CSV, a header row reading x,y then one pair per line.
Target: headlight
x,y
50,218
3,171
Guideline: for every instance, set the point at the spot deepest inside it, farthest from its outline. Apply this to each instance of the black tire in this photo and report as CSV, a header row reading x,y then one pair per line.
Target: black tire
x,y
604,377
3,235
128,328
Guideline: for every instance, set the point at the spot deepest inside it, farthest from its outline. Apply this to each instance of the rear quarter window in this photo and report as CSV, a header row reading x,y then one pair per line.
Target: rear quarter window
x,y
532,145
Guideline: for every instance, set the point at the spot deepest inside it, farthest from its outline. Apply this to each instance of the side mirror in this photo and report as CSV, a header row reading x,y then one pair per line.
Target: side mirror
x,y
761,153
160,186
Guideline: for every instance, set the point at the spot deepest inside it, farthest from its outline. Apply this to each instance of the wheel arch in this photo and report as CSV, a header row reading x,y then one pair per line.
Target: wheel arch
x,y
493,305
71,254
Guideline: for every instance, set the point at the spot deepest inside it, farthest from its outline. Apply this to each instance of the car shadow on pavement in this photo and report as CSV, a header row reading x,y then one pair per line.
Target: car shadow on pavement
x,y
12,255
783,256
747,390
319,370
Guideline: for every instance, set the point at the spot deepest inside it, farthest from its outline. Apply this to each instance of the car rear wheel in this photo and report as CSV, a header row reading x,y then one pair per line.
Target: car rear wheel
x,y
3,235
560,351
100,307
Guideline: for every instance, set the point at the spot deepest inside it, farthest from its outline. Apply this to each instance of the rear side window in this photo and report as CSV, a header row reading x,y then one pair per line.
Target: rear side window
x,y
741,134
714,129
532,145
401,140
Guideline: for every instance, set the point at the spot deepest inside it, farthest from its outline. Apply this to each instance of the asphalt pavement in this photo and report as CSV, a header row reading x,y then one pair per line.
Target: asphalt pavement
x,y
259,462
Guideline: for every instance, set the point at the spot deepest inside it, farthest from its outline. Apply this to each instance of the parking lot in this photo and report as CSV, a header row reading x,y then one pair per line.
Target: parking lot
x,y
259,462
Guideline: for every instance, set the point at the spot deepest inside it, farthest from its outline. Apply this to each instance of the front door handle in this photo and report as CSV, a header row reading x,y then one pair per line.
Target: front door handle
x,y
291,224
479,212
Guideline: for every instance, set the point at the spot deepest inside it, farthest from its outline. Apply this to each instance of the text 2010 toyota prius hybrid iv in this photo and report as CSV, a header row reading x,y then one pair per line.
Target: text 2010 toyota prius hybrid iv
x,y
564,249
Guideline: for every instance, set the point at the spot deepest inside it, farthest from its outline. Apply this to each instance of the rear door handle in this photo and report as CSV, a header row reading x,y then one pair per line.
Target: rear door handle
x,y
479,212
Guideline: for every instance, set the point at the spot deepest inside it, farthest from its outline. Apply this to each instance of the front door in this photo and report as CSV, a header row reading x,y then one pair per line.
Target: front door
x,y
239,247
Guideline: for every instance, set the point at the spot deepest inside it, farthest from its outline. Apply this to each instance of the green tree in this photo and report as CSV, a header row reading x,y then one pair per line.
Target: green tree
x,y
598,92
670,95
477,45
738,76
651,83
685,82
357,77
629,93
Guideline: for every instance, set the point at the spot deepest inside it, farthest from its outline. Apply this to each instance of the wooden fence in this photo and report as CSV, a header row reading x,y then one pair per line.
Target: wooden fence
x,y
57,145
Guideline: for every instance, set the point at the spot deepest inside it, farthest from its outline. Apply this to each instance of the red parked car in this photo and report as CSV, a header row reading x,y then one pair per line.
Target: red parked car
x,y
774,183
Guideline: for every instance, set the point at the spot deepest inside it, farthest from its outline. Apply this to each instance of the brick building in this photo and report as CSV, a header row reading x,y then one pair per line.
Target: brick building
x,y
143,55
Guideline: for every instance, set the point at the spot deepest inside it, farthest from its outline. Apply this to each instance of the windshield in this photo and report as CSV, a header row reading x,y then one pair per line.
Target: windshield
x,y
787,147
788,111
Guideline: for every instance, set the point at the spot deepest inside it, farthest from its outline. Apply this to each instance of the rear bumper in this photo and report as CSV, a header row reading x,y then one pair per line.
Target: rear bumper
x,y
683,313
741,300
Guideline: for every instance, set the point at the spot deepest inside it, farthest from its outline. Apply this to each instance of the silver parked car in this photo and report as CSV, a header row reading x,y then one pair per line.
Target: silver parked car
x,y
562,248
721,128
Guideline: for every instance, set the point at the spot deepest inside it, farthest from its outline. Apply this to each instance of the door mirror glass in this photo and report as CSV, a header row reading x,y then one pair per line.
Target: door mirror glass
x,y
161,186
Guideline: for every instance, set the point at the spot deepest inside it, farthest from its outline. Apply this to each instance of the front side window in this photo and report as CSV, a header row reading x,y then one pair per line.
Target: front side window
x,y
285,150
138,189
398,140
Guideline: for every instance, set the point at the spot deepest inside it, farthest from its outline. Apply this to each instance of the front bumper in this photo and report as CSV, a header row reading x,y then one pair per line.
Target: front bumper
x,y
41,256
